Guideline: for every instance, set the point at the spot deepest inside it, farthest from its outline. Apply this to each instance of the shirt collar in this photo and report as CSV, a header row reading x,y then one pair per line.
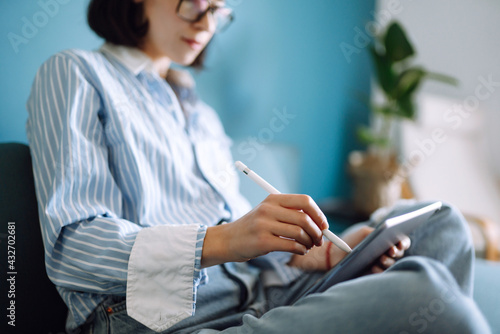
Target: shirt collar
x,y
132,58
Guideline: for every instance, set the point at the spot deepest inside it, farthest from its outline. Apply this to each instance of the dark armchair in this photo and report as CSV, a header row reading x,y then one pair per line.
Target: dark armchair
x,y
38,306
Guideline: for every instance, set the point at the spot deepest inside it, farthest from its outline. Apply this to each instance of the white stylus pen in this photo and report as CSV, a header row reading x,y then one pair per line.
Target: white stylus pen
x,y
270,189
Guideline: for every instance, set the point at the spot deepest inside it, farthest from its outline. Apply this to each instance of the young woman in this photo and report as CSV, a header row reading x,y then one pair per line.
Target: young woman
x,y
139,235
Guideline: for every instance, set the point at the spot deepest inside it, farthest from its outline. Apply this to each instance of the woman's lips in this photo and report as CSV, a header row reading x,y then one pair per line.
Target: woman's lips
x,y
193,44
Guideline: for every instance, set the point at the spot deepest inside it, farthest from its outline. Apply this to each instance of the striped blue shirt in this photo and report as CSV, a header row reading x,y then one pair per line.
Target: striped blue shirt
x,y
127,181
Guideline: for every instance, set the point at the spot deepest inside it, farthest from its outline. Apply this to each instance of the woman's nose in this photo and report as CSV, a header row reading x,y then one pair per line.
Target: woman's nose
x,y
208,22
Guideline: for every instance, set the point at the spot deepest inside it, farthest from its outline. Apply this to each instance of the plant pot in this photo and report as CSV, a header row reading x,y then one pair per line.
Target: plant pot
x,y
377,180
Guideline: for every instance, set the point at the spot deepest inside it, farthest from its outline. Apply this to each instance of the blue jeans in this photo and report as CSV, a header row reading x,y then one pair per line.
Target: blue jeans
x,y
428,291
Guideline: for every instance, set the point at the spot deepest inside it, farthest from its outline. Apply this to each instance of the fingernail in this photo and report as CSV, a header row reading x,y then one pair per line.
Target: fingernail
x,y
407,242
325,224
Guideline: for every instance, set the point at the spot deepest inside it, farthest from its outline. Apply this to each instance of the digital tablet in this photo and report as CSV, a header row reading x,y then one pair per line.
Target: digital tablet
x,y
385,235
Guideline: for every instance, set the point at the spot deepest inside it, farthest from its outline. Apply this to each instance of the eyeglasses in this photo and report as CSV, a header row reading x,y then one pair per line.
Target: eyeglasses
x,y
194,10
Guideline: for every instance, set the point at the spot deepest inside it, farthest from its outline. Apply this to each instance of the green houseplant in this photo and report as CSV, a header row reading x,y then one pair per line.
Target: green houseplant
x,y
375,172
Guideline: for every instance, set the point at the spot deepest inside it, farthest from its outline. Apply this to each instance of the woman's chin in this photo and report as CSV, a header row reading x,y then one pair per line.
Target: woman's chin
x,y
187,58
187,61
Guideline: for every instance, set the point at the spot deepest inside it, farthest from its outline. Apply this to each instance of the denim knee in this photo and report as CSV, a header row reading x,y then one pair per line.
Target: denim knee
x,y
440,306
456,220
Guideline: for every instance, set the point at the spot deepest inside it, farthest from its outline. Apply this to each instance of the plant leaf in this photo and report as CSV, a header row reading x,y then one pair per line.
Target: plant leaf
x,y
408,82
366,136
397,45
406,107
385,110
383,68
442,78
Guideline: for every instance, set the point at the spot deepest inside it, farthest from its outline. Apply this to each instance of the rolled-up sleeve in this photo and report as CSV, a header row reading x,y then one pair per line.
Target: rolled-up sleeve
x,y
161,284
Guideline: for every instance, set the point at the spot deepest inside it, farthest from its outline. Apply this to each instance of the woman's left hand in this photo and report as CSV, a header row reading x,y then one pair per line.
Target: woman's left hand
x,y
391,256
316,258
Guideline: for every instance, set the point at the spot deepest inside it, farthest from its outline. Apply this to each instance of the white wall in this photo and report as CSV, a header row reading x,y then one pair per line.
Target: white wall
x,y
460,38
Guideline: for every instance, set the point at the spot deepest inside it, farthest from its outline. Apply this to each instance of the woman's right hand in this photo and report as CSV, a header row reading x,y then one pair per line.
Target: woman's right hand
x,y
284,222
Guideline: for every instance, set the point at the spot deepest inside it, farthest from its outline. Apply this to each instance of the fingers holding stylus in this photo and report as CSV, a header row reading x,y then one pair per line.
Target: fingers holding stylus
x,y
301,203
301,211
294,225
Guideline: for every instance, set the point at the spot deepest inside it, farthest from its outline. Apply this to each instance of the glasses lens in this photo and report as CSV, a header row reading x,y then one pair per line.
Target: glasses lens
x,y
191,9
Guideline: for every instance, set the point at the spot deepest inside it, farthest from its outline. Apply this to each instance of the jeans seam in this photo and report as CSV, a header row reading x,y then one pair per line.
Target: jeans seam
x,y
106,317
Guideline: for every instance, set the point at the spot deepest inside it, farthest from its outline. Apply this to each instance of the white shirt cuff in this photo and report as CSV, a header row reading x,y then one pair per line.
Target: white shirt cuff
x,y
163,275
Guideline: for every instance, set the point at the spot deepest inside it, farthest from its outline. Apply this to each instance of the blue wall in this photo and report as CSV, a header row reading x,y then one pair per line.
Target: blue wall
x,y
279,57
65,27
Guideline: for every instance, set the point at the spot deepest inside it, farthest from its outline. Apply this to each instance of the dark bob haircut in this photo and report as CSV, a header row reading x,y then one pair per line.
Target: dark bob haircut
x,y
122,22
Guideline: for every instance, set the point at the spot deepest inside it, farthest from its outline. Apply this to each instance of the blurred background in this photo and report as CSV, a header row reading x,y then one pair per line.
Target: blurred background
x,y
287,79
